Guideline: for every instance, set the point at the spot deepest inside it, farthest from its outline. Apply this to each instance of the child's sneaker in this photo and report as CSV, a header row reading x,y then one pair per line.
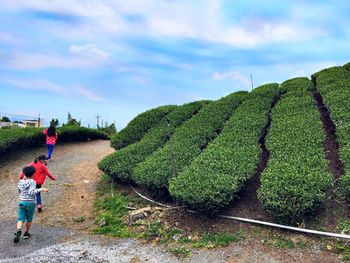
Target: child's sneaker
x,y
39,208
26,235
17,236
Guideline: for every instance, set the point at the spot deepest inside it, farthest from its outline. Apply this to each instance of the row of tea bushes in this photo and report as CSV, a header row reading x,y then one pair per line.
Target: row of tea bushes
x,y
121,163
296,177
15,138
334,86
187,142
139,126
213,179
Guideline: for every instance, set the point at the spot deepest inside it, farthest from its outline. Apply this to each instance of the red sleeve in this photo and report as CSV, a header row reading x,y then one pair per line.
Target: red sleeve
x,y
48,173
21,176
45,131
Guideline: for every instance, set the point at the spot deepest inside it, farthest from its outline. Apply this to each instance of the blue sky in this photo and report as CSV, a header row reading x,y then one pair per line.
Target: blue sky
x,y
119,58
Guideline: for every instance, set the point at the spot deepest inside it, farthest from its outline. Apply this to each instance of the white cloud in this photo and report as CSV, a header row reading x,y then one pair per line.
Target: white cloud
x,y
303,69
89,51
35,61
180,19
235,75
38,84
48,86
85,92
82,56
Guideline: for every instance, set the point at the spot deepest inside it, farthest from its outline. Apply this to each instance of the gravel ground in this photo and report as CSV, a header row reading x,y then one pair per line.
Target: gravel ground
x,y
57,237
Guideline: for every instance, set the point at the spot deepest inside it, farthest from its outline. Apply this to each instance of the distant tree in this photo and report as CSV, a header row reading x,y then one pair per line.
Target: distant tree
x,y
110,130
72,122
54,122
5,119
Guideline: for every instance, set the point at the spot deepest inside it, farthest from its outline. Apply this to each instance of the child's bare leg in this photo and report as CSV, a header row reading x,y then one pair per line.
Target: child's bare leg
x,y
28,226
19,225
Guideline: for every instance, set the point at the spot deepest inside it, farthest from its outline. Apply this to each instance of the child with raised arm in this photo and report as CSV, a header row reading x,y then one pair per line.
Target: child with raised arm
x,y
26,206
41,172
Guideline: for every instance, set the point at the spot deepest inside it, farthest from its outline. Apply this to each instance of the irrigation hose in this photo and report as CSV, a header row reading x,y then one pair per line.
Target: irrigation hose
x,y
253,221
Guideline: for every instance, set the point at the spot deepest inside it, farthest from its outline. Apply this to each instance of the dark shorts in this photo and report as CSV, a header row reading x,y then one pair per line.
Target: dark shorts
x,y
26,211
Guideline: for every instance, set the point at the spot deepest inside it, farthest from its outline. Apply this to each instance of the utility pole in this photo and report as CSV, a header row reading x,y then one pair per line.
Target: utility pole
x,y
97,120
251,80
39,120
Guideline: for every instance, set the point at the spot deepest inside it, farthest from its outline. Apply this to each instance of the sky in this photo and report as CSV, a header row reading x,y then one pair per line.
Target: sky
x,y
117,58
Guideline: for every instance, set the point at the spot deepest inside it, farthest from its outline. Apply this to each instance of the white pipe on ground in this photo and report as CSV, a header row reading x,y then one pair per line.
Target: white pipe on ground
x,y
303,230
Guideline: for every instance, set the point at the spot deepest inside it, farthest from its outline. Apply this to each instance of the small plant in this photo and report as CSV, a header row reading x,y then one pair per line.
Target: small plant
x,y
217,240
79,219
344,225
344,250
283,243
180,252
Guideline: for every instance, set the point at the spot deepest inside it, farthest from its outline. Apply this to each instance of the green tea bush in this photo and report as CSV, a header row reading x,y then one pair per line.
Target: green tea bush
x,y
187,142
334,86
296,177
139,126
121,163
15,138
213,179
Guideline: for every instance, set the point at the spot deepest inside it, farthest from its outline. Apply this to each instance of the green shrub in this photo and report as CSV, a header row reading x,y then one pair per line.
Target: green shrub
x,y
121,163
334,86
213,178
19,138
139,126
187,143
296,176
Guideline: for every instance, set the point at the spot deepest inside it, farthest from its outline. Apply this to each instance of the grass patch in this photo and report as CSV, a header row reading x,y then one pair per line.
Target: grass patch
x,y
111,217
79,219
344,250
344,225
283,243
110,210
217,240
180,252
155,230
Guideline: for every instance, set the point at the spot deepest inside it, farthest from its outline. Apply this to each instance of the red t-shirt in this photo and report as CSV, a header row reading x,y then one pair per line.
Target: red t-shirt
x,y
41,172
50,139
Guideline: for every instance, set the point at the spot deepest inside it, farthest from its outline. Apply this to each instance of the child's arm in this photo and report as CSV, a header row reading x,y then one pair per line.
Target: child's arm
x,y
49,174
21,176
33,190
45,131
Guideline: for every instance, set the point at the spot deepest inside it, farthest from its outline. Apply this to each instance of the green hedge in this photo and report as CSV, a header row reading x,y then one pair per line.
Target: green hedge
x,y
213,179
187,143
139,126
121,163
334,86
296,177
12,139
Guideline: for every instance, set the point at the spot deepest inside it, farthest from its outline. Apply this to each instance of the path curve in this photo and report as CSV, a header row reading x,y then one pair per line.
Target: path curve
x,y
56,237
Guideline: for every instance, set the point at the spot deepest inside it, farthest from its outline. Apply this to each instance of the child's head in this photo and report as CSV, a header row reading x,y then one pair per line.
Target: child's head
x,y
51,131
41,158
29,171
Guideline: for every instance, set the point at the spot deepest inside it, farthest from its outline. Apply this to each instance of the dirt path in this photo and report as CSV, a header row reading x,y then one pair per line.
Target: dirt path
x,y
57,237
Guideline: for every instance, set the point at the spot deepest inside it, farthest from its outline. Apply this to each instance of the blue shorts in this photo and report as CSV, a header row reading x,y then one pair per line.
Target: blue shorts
x,y
26,211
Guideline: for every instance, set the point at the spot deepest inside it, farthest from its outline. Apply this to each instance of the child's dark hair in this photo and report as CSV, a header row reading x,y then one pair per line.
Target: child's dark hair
x,y
40,158
51,131
29,171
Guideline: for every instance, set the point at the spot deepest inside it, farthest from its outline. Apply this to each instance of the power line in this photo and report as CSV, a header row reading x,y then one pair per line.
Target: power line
x,y
16,115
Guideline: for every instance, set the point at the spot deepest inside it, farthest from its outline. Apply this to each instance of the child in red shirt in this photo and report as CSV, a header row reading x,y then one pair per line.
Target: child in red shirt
x,y
51,138
39,177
